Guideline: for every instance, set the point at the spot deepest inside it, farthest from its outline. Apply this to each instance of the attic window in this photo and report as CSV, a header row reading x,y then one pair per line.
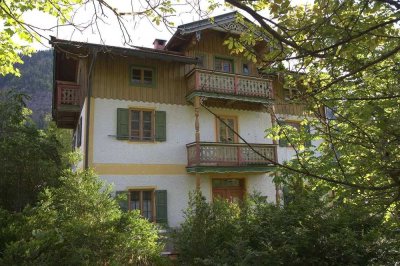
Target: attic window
x,y
142,76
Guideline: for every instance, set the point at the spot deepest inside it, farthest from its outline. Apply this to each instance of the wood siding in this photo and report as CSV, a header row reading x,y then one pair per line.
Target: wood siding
x,y
82,78
111,80
211,45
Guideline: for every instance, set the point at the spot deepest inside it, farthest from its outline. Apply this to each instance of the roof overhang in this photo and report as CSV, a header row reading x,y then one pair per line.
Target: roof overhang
x,y
84,49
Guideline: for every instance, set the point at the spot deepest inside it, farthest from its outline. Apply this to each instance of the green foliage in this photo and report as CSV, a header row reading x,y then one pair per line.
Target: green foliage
x,y
14,28
79,223
30,158
343,56
308,231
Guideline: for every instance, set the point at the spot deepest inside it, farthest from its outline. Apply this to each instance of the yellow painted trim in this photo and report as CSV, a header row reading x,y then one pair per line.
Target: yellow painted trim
x,y
91,131
139,169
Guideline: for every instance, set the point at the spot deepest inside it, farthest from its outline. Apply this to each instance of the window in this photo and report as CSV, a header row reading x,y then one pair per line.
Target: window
x,y
224,133
141,125
151,203
142,76
290,93
224,65
245,69
142,200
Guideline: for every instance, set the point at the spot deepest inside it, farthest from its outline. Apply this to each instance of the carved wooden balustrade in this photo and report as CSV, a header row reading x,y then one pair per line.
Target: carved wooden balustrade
x,y
231,84
227,154
68,93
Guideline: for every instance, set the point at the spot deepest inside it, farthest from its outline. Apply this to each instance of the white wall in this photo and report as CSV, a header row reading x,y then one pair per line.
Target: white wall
x,y
180,131
179,186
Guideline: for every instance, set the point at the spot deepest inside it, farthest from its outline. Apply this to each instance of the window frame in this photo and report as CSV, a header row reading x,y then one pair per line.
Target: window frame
x,y
293,93
153,122
153,201
248,68
231,60
218,124
142,69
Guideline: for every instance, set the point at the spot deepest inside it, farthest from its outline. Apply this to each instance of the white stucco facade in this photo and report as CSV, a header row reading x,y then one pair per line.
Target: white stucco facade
x,y
180,128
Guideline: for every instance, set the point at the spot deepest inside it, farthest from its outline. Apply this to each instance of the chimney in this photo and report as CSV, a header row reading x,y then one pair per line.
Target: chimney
x,y
159,44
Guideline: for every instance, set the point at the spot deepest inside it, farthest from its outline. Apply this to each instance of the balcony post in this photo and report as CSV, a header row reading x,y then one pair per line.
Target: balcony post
x,y
236,85
239,155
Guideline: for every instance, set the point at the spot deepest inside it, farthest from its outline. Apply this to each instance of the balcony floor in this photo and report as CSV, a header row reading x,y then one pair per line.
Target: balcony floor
x,y
230,169
231,97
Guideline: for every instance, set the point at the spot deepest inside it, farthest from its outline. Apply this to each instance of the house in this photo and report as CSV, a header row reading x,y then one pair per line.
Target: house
x,y
159,123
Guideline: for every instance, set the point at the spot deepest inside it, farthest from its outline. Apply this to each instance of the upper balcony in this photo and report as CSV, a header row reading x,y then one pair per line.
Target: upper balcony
x,y
233,87
215,157
67,103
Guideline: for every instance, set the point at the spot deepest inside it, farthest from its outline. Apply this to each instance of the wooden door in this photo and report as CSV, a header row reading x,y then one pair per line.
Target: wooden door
x,y
229,189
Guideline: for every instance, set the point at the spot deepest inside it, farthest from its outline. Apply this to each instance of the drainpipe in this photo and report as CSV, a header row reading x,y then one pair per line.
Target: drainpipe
x,y
89,95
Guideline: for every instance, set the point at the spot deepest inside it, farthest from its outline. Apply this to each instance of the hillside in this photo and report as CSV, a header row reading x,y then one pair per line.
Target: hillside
x,y
35,81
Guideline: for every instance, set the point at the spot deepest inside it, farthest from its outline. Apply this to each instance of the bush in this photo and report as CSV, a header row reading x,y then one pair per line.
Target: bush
x,y
306,232
79,223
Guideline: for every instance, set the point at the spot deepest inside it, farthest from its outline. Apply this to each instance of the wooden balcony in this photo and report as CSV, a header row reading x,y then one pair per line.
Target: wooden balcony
x,y
221,85
216,157
67,104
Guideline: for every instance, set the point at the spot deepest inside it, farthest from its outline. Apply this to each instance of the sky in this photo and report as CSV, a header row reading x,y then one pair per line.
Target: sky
x,y
141,30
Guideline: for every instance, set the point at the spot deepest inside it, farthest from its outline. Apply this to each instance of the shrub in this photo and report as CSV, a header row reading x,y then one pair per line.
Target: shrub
x,y
79,223
307,231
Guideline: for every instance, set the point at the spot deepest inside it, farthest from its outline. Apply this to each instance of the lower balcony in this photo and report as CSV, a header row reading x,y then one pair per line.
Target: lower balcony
x,y
67,104
214,157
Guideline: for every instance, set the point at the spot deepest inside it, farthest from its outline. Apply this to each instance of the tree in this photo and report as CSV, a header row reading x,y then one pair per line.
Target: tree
x,y
79,223
16,35
307,231
31,159
344,55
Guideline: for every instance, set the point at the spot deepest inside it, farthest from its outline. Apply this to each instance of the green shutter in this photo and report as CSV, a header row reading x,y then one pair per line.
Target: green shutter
x,y
161,207
122,123
161,126
283,142
122,199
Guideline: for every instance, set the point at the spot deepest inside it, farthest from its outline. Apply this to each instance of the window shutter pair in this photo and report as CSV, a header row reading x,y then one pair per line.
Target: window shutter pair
x,y
161,204
123,124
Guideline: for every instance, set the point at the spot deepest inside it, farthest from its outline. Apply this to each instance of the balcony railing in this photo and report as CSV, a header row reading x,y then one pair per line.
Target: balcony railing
x,y
68,93
226,83
226,154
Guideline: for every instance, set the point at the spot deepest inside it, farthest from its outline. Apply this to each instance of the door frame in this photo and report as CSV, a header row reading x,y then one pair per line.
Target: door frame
x,y
236,127
242,179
